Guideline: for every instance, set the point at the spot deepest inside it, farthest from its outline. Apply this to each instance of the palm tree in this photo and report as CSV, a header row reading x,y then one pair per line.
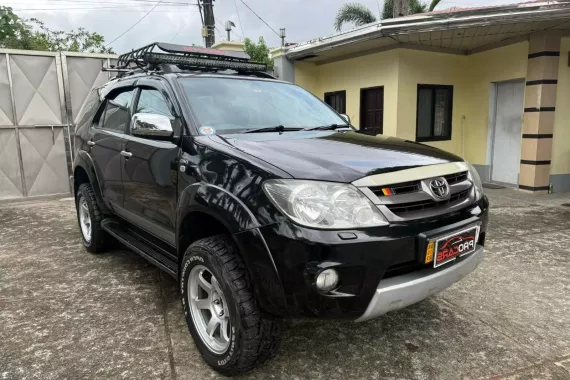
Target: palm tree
x,y
360,15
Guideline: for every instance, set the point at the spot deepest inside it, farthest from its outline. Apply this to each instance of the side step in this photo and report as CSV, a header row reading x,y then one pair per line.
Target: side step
x,y
156,255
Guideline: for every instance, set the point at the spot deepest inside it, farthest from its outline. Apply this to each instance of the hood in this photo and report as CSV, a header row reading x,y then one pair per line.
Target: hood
x,y
335,156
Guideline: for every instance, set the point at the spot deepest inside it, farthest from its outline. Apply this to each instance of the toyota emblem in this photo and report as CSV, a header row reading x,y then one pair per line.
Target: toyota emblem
x,y
439,188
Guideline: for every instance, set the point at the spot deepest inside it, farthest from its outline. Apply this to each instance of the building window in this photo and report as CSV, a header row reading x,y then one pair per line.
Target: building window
x,y
433,119
337,100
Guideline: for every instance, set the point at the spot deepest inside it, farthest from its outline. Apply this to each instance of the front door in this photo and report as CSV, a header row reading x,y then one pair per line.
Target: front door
x,y
151,172
372,110
507,134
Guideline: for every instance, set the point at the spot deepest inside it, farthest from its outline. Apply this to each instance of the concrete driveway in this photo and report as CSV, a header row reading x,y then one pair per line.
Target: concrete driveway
x,y
67,314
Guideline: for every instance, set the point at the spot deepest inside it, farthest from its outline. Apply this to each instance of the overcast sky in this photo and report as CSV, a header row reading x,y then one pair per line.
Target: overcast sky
x,y
170,22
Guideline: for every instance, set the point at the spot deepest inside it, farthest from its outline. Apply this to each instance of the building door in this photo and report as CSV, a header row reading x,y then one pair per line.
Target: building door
x,y
336,100
372,110
507,132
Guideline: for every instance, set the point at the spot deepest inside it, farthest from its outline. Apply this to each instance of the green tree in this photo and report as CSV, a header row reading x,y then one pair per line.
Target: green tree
x,y
32,34
258,52
359,14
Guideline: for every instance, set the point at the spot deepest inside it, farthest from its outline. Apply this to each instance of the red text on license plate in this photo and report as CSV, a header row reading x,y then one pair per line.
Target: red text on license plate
x,y
456,245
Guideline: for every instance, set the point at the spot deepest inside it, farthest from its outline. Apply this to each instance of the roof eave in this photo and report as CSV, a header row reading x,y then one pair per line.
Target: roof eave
x,y
427,23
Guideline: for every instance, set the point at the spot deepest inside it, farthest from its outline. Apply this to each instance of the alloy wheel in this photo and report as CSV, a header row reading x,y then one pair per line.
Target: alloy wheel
x,y
84,218
209,309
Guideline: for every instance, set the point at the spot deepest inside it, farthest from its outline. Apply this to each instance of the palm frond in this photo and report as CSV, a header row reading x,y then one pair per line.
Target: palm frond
x,y
356,13
433,4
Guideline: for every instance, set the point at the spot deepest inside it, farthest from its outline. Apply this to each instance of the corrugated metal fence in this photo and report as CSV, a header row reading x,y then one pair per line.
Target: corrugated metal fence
x,y
41,94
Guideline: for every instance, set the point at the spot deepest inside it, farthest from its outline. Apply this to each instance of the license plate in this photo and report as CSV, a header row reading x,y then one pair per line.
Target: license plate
x,y
457,244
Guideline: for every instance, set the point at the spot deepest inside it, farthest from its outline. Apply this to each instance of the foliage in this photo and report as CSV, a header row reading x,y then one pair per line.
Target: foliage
x,y
356,13
258,52
32,34
360,15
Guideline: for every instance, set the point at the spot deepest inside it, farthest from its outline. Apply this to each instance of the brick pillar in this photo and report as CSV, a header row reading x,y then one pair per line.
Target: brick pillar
x,y
539,108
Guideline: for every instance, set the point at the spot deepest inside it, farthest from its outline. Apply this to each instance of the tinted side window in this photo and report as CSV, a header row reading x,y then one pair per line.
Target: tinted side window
x,y
152,101
116,115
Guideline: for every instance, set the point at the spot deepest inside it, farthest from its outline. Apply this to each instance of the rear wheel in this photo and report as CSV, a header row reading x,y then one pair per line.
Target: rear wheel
x,y
89,217
231,332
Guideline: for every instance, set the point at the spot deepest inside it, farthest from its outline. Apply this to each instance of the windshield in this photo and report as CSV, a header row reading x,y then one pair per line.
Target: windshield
x,y
235,105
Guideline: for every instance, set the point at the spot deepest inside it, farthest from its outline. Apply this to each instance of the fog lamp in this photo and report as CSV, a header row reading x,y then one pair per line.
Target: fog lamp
x,y
327,280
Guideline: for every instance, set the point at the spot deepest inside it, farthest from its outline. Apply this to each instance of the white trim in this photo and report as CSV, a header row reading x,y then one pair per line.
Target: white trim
x,y
413,174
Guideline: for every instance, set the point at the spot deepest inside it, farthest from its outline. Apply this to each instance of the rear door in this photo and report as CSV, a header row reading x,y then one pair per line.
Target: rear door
x,y
150,174
372,110
108,140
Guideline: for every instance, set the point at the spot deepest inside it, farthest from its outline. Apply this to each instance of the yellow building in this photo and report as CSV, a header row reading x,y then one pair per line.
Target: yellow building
x,y
491,85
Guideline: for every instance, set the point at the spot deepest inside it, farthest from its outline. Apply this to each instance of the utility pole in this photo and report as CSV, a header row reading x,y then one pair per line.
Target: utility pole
x,y
401,8
208,30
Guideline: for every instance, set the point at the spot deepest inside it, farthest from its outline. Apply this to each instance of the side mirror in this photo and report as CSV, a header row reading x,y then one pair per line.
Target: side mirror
x,y
149,125
345,117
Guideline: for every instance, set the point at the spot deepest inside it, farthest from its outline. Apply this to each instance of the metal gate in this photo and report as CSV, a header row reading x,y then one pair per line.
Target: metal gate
x,y
41,94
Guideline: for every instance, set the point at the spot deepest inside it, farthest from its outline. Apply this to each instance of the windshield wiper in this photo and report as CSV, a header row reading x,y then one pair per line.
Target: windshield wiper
x,y
327,127
276,128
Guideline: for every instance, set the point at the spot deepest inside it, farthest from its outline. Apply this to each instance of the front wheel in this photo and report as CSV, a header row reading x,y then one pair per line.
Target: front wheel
x,y
89,217
231,332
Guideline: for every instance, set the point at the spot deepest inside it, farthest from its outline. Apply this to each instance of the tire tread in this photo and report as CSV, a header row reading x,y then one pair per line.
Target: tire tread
x,y
262,331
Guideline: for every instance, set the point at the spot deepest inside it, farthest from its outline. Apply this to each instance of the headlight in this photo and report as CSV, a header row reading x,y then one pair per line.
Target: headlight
x,y
323,204
474,177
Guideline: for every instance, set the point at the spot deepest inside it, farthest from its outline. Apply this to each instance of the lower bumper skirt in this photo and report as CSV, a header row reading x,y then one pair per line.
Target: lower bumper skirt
x,y
401,291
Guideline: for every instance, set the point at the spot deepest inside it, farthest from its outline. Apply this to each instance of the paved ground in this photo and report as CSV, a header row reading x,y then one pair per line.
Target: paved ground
x,y
66,314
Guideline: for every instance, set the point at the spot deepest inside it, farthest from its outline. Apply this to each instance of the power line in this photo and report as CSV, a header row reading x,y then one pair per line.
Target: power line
x,y
239,19
129,2
259,17
135,24
119,8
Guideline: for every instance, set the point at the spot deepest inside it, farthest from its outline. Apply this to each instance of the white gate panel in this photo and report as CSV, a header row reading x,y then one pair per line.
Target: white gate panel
x,y
6,117
83,75
44,160
10,174
36,89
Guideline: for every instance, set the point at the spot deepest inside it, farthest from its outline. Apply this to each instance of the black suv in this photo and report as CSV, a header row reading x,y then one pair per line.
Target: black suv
x,y
263,202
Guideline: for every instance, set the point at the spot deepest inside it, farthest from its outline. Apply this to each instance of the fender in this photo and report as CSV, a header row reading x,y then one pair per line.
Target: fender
x,y
84,160
244,227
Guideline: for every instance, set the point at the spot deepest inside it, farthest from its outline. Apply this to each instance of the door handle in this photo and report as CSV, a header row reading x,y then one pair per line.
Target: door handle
x,y
126,154
91,143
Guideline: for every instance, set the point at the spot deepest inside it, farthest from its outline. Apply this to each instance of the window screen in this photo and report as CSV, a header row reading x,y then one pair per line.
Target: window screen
x,y
434,112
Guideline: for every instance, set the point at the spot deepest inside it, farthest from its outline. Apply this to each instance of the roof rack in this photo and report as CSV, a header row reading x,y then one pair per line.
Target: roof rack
x,y
187,57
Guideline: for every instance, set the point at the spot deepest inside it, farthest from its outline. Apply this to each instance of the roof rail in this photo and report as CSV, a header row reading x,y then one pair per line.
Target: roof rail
x,y
187,57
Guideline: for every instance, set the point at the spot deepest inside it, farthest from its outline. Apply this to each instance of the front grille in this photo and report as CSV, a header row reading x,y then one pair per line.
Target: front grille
x,y
398,188
401,209
456,178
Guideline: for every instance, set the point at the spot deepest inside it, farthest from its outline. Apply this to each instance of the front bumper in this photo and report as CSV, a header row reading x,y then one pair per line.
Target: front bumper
x,y
401,291
366,262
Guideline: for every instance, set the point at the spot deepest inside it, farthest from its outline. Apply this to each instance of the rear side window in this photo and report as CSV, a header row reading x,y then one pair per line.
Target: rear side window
x,y
116,115
152,101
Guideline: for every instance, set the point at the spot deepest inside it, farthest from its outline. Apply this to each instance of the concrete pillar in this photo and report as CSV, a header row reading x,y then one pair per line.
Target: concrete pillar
x,y
284,69
539,109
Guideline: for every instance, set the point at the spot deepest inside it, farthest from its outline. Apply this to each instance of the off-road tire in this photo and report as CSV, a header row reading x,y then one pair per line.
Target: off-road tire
x,y
257,335
99,238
